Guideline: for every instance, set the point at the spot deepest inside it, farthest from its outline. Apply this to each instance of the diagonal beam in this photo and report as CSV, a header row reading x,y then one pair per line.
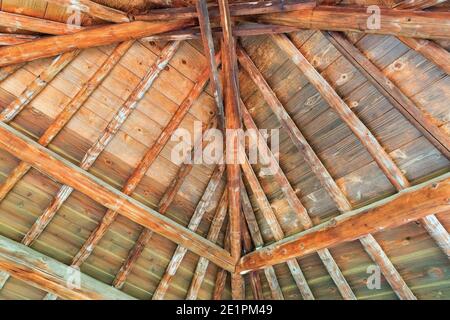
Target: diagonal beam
x,y
221,277
67,113
417,4
313,161
93,9
37,85
51,275
422,121
297,206
213,234
9,70
258,241
65,172
429,197
275,226
93,37
17,21
418,24
233,124
196,218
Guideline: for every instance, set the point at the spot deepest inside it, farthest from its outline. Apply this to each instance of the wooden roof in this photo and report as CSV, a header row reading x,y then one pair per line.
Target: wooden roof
x,y
87,180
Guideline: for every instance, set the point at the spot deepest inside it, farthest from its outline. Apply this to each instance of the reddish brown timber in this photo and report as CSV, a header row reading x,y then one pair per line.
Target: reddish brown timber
x,y
424,122
37,85
9,70
93,9
65,172
49,274
67,113
7,39
417,24
408,205
221,278
196,218
213,234
94,37
13,21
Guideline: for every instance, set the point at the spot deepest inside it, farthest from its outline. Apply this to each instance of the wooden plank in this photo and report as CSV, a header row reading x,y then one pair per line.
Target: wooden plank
x,y
67,113
384,161
418,24
416,4
51,275
213,234
17,21
93,9
38,84
426,198
61,170
9,70
99,36
425,123
196,218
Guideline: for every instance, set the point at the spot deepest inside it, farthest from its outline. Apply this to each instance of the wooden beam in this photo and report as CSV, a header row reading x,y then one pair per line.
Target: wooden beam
x,y
221,277
258,241
236,9
275,227
424,122
309,155
196,218
8,39
65,172
297,206
417,24
37,85
213,234
13,22
9,70
367,139
417,4
93,9
67,113
233,124
51,275
93,37
431,197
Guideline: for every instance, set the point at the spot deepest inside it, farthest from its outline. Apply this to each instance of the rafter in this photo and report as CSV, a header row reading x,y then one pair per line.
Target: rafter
x,y
65,172
103,140
196,218
421,121
417,4
275,226
258,241
92,37
5,72
233,124
221,277
51,275
426,198
67,113
309,155
94,9
7,39
37,85
297,206
213,234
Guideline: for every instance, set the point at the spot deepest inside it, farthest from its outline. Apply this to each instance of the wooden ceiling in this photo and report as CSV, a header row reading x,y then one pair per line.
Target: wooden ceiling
x,y
86,177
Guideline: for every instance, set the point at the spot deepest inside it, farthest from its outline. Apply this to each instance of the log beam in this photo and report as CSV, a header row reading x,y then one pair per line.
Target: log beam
x,y
431,197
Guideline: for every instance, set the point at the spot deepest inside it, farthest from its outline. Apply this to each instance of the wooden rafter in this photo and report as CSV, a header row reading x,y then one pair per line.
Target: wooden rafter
x,y
8,39
65,172
37,85
94,9
258,241
275,227
233,124
103,140
51,275
298,207
221,277
196,218
93,37
416,4
426,198
310,157
9,70
213,234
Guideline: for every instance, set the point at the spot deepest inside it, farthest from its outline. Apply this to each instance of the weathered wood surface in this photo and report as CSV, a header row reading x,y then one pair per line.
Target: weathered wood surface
x,y
65,172
5,72
7,39
416,4
426,25
221,277
99,36
426,198
51,275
